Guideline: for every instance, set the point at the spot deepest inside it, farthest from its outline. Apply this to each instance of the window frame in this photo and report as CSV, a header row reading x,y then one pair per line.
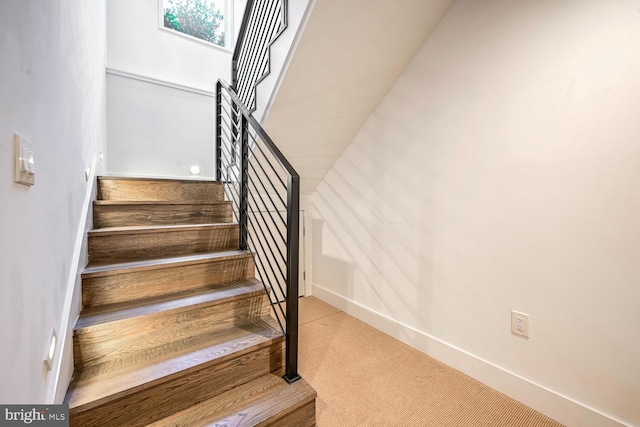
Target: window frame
x,y
228,22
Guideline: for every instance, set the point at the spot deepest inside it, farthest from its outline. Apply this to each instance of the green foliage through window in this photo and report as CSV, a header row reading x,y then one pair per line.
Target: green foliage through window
x,y
198,18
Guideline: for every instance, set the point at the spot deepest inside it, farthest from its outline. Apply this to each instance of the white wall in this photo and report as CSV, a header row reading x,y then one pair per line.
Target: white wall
x,y
52,91
155,130
501,172
137,45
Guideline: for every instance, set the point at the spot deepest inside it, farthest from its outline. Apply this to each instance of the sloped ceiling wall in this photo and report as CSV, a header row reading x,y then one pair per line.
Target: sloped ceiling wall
x,y
348,57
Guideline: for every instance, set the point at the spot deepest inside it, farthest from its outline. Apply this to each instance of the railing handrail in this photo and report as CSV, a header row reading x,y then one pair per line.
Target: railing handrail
x,y
262,23
239,181
260,130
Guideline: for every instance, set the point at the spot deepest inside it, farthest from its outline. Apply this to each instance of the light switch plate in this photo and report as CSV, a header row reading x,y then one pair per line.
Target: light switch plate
x,y
23,166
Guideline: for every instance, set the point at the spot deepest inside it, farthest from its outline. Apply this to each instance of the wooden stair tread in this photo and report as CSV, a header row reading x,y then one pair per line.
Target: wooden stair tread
x,y
122,188
140,229
103,269
117,213
260,402
99,315
144,242
110,281
90,391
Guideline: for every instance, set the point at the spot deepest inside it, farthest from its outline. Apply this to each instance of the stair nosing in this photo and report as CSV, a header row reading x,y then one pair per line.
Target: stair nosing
x,y
105,314
142,229
158,202
274,387
308,395
286,391
143,178
193,361
106,269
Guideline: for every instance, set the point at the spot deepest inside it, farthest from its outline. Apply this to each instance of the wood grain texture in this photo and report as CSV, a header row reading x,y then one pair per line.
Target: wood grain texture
x,y
223,405
118,213
265,401
120,244
304,416
91,386
138,333
115,283
173,316
245,288
154,400
286,407
114,188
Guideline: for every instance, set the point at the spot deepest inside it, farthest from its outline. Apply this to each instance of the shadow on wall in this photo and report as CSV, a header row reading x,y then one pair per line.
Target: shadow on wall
x,y
375,238
360,252
358,257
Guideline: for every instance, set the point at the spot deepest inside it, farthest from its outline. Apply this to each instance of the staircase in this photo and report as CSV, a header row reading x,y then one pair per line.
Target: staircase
x,y
175,328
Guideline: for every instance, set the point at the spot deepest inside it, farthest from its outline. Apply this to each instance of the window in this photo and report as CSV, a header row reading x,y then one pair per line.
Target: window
x,y
206,20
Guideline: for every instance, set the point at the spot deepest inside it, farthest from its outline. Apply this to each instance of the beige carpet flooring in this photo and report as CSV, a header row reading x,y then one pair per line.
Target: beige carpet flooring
x,y
366,378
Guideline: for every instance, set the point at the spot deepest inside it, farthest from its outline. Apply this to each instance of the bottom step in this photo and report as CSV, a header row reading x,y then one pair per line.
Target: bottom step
x,y
265,401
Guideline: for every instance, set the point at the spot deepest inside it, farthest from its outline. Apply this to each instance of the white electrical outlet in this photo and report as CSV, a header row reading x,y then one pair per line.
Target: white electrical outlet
x,y
520,323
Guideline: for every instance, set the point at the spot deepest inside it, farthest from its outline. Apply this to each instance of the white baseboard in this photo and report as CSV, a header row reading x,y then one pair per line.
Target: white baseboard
x,y
62,369
553,404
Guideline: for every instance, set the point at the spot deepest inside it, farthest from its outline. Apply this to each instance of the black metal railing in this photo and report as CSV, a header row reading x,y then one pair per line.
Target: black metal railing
x,y
262,24
264,190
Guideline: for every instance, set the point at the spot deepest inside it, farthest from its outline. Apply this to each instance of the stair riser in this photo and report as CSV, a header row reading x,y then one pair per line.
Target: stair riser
x,y
151,190
181,392
137,215
136,285
300,417
132,341
127,247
